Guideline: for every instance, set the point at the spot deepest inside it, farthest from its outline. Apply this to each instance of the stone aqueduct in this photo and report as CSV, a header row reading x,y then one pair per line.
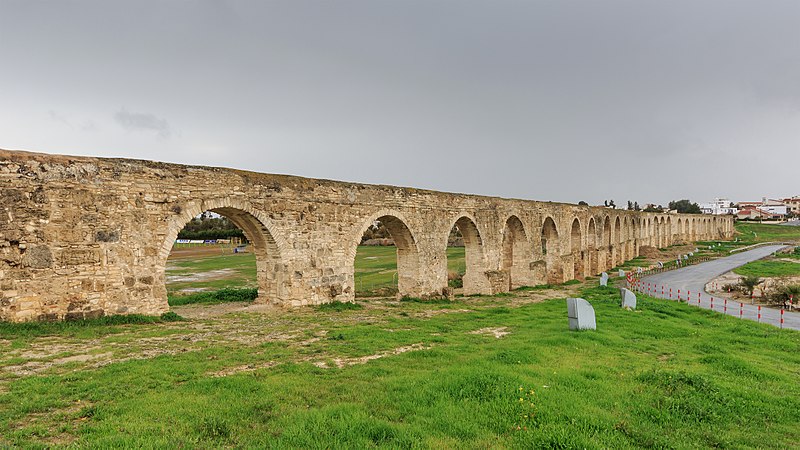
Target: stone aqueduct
x,y
85,237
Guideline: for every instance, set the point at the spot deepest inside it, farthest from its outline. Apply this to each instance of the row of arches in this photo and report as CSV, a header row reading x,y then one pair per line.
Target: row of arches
x,y
520,250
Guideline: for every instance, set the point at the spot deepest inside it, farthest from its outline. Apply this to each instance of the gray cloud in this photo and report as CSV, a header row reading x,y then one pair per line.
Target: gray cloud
x,y
553,100
142,122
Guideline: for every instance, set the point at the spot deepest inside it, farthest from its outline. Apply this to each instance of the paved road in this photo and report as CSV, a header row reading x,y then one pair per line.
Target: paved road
x,y
693,279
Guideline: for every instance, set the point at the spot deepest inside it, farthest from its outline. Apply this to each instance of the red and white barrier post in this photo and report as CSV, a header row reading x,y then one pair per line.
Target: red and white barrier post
x,y
741,309
759,313
712,303
781,319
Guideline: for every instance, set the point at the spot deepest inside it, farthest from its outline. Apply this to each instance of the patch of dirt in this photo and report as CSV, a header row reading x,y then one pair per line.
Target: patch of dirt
x,y
209,275
245,368
201,311
496,332
340,363
199,251
718,286
653,255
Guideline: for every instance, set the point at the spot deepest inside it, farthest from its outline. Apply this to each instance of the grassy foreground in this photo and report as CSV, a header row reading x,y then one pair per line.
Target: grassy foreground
x,y
667,375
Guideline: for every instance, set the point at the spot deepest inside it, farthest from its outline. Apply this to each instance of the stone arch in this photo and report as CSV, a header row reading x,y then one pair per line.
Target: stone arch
x,y
474,280
517,253
551,249
268,246
670,232
605,242
576,244
617,245
662,232
627,227
679,232
591,246
408,258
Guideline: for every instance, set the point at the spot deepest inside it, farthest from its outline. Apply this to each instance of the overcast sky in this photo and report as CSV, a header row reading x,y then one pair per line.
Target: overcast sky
x,y
549,100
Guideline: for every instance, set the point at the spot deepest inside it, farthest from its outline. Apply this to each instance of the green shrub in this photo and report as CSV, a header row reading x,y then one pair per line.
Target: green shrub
x,y
220,296
339,306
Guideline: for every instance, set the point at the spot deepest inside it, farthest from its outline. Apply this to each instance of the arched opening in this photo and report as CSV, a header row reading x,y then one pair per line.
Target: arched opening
x,y
670,232
516,253
551,249
679,232
386,261
591,247
618,252
575,249
473,279
606,243
627,237
219,253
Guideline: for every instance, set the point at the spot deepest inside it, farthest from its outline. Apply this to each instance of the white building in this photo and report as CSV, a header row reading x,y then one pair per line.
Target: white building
x,y
775,207
720,206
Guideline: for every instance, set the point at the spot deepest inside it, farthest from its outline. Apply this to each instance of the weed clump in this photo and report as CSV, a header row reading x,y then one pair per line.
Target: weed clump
x,y
339,306
220,296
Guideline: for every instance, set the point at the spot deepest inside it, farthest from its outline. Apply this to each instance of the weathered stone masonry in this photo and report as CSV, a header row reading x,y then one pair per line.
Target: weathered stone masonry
x,y
85,237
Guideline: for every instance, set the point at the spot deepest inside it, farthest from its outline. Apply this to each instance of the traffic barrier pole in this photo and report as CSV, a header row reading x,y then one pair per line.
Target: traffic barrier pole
x,y
712,303
781,319
670,293
759,313
679,295
741,309
725,306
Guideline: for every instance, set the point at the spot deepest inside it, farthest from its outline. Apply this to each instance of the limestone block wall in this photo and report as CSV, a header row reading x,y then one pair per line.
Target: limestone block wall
x,y
85,237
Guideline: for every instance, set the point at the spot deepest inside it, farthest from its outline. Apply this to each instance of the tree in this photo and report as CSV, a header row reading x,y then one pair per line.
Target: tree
x,y
685,207
611,204
583,203
630,205
749,284
654,209
636,206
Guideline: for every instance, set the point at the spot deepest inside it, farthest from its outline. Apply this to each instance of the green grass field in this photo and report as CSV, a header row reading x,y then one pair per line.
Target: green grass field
x,y
769,268
667,375
376,268
240,272
756,232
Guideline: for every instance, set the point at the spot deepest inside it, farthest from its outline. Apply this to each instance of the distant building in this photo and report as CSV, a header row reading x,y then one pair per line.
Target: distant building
x,y
720,206
793,204
758,214
775,207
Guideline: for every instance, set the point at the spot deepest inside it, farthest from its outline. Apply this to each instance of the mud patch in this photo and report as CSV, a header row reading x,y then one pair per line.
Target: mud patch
x,y
340,363
496,332
210,275
245,368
